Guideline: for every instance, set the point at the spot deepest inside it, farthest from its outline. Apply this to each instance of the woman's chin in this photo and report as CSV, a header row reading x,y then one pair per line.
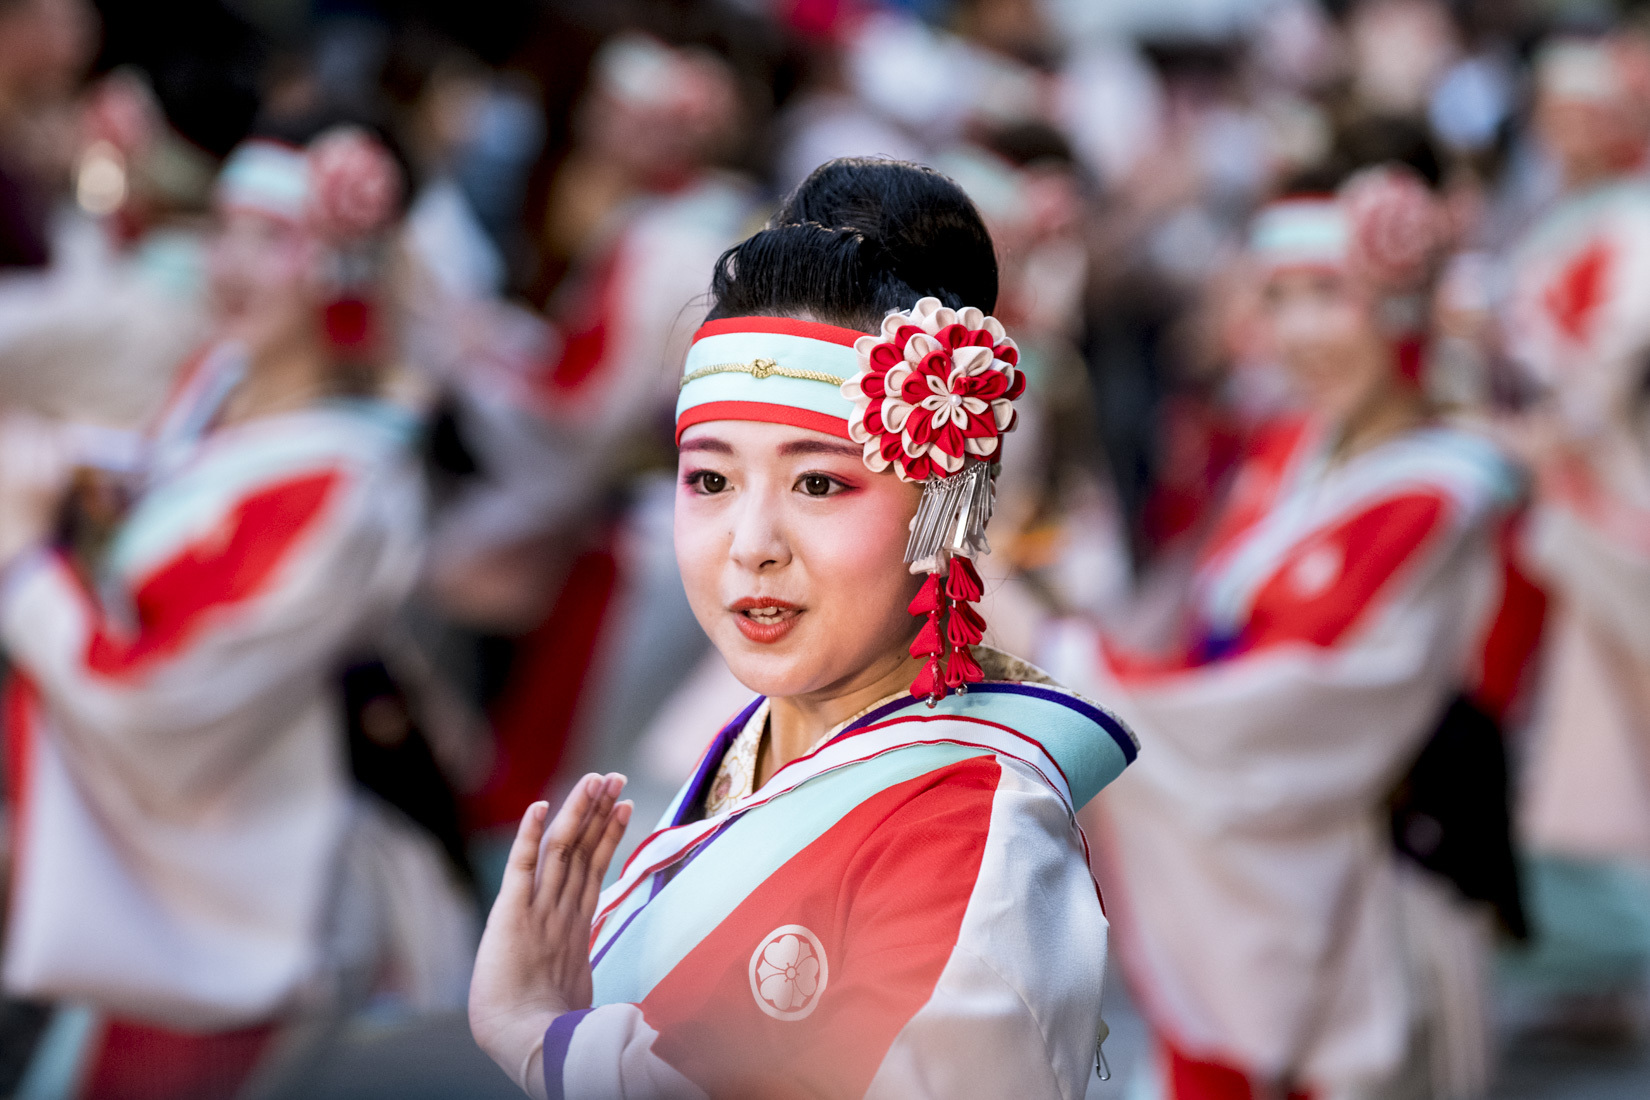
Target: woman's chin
x,y
807,660
794,664
777,675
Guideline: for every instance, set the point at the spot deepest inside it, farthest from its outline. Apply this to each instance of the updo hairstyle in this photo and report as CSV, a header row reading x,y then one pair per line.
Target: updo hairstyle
x,y
857,238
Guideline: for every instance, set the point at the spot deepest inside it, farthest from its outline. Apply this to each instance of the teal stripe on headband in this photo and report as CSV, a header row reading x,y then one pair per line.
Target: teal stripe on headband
x,y
768,368
267,176
1301,230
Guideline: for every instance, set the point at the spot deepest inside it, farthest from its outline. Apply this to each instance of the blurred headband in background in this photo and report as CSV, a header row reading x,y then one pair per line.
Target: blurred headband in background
x,y
267,177
1301,232
1383,225
1605,71
344,185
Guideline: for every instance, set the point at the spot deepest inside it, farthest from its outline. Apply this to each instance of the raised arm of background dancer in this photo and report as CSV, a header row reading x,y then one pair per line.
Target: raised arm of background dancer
x,y
1593,545
229,624
91,335
1300,715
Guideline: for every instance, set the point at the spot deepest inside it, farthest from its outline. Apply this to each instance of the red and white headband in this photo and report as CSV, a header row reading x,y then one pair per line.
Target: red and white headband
x,y
1383,225
929,397
344,184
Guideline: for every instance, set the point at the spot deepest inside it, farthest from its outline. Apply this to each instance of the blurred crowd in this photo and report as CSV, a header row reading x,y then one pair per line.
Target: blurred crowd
x,y
330,541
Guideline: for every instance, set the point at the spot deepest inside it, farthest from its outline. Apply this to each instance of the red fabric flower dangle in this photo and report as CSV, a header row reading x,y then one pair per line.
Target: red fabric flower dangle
x,y
953,626
933,398
354,189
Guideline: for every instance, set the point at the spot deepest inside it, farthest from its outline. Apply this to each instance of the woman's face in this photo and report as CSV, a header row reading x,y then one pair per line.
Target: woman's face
x,y
1322,329
262,272
792,553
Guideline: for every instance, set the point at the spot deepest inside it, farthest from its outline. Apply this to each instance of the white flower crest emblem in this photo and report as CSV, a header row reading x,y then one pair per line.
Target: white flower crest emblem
x,y
788,972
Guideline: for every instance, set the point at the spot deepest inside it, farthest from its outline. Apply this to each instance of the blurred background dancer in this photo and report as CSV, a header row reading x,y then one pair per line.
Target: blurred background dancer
x,y
476,601
179,742
1270,931
1577,331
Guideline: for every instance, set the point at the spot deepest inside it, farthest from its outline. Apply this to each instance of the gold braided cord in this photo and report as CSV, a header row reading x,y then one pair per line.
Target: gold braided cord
x,y
761,368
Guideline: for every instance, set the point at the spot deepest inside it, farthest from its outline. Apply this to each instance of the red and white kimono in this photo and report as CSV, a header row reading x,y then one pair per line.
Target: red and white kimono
x,y
904,912
1579,323
1249,865
180,789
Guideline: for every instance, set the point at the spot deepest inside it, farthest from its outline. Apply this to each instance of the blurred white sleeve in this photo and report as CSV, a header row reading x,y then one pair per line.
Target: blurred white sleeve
x,y
91,337
199,686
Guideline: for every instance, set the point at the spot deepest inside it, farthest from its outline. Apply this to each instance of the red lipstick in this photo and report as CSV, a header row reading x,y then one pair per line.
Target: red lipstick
x,y
763,619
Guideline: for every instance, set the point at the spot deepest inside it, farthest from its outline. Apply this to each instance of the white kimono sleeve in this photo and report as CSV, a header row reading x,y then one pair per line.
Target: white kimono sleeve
x,y
174,713
1246,846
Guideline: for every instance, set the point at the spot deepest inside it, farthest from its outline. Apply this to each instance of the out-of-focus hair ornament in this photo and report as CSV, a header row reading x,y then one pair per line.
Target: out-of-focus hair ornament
x,y
1383,227
354,189
1397,229
344,185
353,183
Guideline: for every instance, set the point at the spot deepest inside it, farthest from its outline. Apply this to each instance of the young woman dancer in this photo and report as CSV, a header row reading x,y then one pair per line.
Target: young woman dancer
x,y
1578,326
189,859
1331,617
874,884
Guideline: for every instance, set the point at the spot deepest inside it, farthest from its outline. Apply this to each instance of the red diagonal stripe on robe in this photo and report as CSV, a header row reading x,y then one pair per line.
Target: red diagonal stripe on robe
x,y
1365,551
1574,296
885,890
1371,547
228,566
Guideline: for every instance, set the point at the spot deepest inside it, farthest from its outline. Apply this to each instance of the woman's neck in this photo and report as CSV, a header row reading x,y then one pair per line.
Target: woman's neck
x,y
278,380
797,723
1394,408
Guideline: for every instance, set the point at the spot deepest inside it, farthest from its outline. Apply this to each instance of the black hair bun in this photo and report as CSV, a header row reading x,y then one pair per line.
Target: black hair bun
x,y
857,238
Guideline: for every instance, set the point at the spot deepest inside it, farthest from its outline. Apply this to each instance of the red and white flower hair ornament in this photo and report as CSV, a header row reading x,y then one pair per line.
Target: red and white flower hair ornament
x,y
354,184
935,388
933,398
1398,230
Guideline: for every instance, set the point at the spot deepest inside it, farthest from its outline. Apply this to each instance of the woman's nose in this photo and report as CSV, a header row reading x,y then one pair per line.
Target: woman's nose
x,y
1298,330
759,538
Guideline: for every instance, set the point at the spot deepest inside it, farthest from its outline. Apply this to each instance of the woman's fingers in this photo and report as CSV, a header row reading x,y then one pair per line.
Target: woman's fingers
x,y
562,833
581,854
519,868
603,857
572,839
574,831
595,824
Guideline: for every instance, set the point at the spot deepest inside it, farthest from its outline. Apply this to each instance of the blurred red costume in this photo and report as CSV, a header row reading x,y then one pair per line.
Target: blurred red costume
x,y
183,817
1245,856
1579,323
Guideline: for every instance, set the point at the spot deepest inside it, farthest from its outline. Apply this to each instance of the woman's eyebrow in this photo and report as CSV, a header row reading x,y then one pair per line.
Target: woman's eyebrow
x,y
715,446
820,447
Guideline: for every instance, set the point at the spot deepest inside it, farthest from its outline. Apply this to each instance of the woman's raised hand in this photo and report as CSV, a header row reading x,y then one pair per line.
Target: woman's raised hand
x,y
534,960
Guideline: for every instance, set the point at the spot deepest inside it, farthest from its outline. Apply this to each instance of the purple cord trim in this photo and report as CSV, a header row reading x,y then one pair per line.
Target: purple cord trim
x,y
557,1038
